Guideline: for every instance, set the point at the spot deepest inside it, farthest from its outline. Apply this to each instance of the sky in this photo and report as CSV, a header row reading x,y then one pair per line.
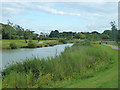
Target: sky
x,y
62,16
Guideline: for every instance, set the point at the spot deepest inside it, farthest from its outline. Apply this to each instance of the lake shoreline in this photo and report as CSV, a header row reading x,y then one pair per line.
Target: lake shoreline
x,y
15,55
81,61
5,44
40,46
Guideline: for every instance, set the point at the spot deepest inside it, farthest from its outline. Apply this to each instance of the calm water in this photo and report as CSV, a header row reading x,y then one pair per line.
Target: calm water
x,y
17,55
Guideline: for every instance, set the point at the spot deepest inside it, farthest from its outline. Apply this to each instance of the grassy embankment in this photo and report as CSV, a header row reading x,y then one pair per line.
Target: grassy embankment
x,y
79,66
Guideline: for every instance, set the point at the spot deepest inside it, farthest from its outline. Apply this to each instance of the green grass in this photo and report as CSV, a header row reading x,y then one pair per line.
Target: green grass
x,y
79,66
111,43
21,43
105,78
102,79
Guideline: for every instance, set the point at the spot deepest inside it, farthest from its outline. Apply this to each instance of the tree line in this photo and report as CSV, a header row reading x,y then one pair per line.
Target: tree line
x,y
112,34
10,31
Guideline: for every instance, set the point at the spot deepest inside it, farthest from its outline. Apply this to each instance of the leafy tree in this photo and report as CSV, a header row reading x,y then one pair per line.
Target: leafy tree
x,y
105,36
20,31
114,31
9,23
8,31
54,34
80,36
35,36
95,32
27,34
108,34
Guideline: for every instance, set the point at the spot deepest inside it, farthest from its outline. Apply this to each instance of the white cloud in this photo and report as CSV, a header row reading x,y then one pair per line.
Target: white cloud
x,y
97,27
55,11
99,13
73,9
17,8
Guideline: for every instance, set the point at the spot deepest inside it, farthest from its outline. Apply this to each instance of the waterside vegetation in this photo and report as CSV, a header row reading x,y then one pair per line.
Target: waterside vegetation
x,y
82,61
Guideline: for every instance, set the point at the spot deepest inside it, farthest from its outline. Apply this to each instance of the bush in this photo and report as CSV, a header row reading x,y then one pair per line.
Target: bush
x,y
15,37
77,41
87,43
31,44
13,45
63,41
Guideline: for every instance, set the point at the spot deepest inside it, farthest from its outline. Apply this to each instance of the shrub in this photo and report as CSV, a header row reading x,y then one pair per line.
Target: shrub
x,y
83,43
13,45
14,37
77,41
31,44
87,43
63,41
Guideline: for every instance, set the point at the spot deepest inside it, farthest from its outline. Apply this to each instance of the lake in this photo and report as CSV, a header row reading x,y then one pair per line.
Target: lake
x,y
17,55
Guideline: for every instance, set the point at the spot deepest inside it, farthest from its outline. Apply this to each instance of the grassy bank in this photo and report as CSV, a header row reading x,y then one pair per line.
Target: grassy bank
x,y
22,43
75,67
105,78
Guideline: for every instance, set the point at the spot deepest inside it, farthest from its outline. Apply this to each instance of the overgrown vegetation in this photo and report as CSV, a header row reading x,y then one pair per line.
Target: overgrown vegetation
x,y
83,43
31,44
78,61
63,41
13,45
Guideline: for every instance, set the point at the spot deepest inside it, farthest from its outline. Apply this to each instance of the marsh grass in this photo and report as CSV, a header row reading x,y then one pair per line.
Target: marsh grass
x,y
79,61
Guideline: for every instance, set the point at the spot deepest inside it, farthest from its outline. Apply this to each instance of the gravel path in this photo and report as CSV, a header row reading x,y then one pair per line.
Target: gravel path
x,y
40,42
113,47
